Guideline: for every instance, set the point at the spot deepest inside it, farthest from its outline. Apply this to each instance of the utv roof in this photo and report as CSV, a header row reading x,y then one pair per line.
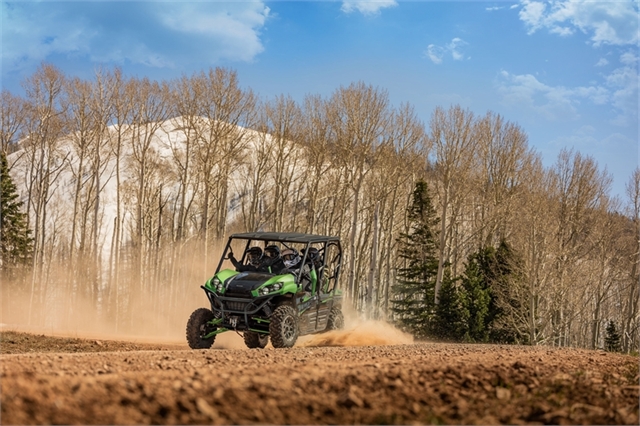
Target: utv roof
x,y
293,237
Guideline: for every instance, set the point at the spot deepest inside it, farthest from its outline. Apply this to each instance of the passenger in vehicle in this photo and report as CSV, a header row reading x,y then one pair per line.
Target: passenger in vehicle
x,y
271,260
254,258
317,266
293,265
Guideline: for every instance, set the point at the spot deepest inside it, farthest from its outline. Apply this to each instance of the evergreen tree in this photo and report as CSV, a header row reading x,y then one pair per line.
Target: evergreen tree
x,y
16,243
477,295
612,338
413,303
508,291
494,290
452,317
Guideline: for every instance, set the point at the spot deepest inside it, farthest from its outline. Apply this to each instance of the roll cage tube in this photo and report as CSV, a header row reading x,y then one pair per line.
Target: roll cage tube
x,y
226,250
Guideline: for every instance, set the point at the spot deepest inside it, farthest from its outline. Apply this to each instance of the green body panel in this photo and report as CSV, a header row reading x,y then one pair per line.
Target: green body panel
x,y
223,275
314,280
288,284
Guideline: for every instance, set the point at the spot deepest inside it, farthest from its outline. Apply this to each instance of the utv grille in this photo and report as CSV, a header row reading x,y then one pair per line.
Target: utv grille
x,y
235,306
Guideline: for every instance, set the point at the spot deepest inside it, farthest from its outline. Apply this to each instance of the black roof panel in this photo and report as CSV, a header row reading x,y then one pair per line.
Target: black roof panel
x,y
293,237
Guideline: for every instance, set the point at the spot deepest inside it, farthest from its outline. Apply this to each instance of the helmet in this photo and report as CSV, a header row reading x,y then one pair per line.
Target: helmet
x,y
254,254
314,255
290,257
272,252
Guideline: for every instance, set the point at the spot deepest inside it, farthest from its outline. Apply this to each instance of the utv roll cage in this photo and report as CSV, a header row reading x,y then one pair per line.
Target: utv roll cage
x,y
287,239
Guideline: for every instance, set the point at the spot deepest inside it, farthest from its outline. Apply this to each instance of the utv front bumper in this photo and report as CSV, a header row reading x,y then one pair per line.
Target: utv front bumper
x,y
241,314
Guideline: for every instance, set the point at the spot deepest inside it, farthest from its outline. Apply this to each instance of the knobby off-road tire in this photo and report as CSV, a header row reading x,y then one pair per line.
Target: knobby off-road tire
x,y
283,328
336,319
197,328
255,340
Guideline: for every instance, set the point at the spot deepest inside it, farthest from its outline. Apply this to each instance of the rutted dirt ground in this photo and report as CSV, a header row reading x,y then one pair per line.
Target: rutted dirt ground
x,y
346,377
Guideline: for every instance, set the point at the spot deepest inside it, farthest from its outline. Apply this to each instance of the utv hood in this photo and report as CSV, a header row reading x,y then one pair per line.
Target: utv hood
x,y
242,284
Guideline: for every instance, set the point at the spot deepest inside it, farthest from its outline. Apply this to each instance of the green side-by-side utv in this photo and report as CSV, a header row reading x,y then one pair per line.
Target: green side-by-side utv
x,y
283,285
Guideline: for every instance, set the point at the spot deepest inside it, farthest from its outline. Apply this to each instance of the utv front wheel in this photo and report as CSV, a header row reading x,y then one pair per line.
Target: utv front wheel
x,y
283,328
336,319
198,327
255,340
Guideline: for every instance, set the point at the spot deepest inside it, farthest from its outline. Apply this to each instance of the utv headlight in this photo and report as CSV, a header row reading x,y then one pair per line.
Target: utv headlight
x,y
270,289
218,285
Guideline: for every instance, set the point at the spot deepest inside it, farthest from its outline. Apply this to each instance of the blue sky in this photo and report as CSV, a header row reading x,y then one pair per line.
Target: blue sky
x,y
565,71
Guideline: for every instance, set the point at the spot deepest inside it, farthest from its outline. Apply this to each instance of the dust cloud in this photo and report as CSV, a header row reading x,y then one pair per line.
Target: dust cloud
x,y
127,310
359,332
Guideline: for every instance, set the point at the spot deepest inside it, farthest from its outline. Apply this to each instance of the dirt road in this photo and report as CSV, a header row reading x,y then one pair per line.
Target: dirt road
x,y
105,382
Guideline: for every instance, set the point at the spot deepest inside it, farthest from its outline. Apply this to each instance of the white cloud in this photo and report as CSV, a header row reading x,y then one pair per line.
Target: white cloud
x,y
151,34
437,53
366,7
453,48
623,83
602,62
27,37
234,29
619,89
553,103
606,22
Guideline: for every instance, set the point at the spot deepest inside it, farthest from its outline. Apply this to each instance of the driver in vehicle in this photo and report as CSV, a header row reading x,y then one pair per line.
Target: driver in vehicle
x,y
254,259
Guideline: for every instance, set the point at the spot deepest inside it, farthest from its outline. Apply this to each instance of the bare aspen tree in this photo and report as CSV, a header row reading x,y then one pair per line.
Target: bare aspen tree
x,y
82,126
12,120
121,107
101,109
315,144
46,122
187,100
504,157
256,162
87,106
403,157
229,112
531,235
580,189
283,126
631,323
181,134
602,272
452,135
149,111
359,116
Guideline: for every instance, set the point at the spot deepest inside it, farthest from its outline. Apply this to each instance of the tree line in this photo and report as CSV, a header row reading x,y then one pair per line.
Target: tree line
x,y
129,186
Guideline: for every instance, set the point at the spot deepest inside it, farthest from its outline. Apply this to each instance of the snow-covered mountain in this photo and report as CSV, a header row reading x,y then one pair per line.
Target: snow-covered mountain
x,y
157,151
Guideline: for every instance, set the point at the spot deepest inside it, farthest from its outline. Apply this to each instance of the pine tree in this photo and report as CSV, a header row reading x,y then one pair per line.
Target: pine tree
x,y
477,295
451,316
494,290
16,243
612,338
508,292
413,303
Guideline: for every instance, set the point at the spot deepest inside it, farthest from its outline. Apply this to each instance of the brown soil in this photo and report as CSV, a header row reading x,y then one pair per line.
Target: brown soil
x,y
347,377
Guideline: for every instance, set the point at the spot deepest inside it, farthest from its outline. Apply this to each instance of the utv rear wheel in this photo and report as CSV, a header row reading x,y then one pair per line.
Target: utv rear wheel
x,y
198,327
336,319
255,340
284,327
